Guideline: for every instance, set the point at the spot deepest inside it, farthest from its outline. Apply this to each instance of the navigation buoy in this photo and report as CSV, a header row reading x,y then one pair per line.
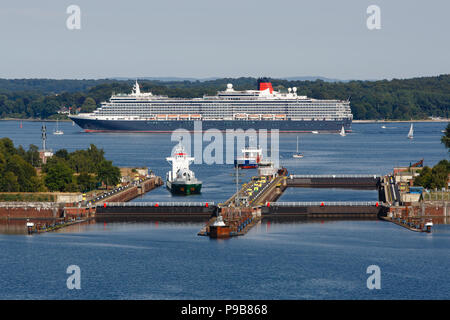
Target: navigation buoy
x,y
206,205
376,204
322,204
104,205
268,204
156,205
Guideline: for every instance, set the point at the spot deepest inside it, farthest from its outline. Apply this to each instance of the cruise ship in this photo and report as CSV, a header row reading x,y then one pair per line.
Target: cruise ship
x,y
264,108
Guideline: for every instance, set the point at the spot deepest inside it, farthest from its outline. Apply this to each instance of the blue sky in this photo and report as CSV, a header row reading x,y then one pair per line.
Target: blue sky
x,y
208,38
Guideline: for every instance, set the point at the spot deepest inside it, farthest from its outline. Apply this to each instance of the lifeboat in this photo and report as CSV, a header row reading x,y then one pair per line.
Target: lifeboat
x,y
172,116
267,116
161,116
196,116
240,116
253,116
280,116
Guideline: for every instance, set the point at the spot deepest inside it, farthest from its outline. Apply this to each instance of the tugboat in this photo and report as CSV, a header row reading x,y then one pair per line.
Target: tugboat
x,y
181,180
219,229
250,158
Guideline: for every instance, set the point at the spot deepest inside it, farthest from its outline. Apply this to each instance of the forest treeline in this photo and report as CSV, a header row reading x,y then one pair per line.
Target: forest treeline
x,y
436,177
78,171
397,99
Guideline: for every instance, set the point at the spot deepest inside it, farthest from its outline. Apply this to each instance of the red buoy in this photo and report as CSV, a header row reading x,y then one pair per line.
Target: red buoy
x,y
206,205
156,205
104,205
322,204
376,204
268,204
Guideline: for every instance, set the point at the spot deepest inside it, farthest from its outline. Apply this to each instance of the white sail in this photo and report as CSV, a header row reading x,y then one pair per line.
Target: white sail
x,y
342,133
57,131
298,155
411,132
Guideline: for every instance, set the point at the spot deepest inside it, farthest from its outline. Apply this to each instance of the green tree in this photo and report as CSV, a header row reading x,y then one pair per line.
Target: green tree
x,y
9,183
108,174
89,105
86,182
434,178
62,153
59,176
32,156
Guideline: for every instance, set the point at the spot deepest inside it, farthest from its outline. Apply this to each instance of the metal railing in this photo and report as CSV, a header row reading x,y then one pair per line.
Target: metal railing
x,y
325,204
159,204
374,176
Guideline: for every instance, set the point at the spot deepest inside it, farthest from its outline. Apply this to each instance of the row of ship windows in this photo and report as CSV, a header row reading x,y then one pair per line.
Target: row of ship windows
x,y
221,113
203,105
191,110
234,110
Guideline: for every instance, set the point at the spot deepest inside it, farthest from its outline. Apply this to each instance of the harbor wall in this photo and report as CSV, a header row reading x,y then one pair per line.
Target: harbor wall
x,y
30,210
154,211
325,211
436,211
135,191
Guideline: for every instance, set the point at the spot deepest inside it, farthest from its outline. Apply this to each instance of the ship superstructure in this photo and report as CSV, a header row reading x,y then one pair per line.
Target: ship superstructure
x,y
182,180
258,109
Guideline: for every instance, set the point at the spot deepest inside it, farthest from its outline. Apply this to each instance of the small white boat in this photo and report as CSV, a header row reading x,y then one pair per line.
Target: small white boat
x,y
342,133
411,132
383,127
315,132
428,226
297,154
57,131
30,226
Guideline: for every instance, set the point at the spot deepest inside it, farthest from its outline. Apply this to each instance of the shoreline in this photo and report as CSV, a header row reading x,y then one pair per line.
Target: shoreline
x,y
399,121
34,120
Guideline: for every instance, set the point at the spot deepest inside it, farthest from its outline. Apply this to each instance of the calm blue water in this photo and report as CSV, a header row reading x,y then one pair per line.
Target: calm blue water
x,y
315,260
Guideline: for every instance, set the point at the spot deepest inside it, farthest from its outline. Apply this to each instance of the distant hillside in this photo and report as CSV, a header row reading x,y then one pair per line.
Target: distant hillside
x,y
399,99
47,86
170,79
314,78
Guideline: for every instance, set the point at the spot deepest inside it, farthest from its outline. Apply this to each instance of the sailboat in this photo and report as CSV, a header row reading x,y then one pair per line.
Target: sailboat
x,y
411,132
342,133
57,131
297,154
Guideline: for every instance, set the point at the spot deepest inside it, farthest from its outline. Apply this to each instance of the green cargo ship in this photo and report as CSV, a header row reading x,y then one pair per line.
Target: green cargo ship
x,y
181,180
